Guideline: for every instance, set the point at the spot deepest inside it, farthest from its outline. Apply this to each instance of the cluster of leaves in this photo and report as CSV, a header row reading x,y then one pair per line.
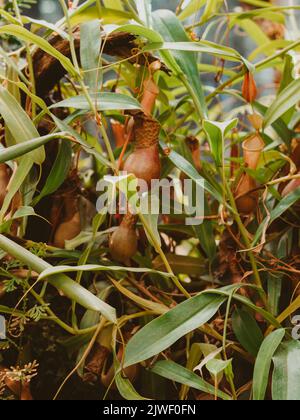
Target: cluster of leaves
x,y
206,306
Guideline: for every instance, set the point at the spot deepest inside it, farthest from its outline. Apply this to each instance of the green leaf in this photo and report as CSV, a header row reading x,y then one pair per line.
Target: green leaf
x,y
90,46
150,223
216,133
254,31
124,385
211,8
105,101
198,47
50,271
150,218
279,210
164,331
286,376
188,169
18,179
108,16
19,123
274,292
22,212
288,75
21,149
155,307
216,366
263,363
182,264
170,28
82,296
192,7
286,100
174,372
144,8
273,13
193,358
257,3
68,287
268,49
142,31
8,16
25,35
227,291
12,64
91,150
279,125
205,234
116,4
247,331
59,170
209,352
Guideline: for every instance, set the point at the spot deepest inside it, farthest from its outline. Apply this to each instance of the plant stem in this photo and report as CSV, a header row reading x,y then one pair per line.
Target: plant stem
x,y
179,7
55,318
32,80
71,38
283,179
17,11
232,386
98,4
18,150
82,261
163,257
247,243
134,14
85,354
61,282
84,88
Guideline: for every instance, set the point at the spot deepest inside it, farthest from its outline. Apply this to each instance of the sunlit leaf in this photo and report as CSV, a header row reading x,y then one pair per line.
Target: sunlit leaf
x,y
164,331
286,100
286,376
105,101
263,363
177,373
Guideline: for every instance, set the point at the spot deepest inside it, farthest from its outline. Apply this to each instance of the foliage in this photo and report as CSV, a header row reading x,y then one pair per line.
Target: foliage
x,y
129,305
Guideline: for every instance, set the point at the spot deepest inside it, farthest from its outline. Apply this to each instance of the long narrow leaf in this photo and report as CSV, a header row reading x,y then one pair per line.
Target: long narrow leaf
x,y
105,101
68,287
21,149
27,36
286,100
50,271
19,123
263,363
286,376
171,370
278,211
164,331
187,168
170,28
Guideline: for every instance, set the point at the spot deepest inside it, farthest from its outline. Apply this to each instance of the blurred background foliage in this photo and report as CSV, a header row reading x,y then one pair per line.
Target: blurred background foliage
x,y
51,10
230,270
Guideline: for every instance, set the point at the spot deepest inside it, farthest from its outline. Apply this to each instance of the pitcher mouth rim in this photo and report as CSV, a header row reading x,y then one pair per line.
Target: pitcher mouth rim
x,y
257,149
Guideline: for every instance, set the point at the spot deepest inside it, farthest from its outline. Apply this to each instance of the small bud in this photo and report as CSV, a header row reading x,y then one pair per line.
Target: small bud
x,y
249,89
